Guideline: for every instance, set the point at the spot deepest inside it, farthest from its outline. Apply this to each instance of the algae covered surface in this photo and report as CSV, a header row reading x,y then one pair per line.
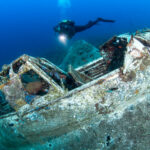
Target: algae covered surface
x,y
80,53
81,86
108,112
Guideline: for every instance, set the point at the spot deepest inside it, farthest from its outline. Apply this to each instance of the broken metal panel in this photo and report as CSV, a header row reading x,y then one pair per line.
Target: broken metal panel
x,y
16,65
100,80
94,69
45,77
53,74
36,66
51,119
135,53
18,91
113,58
33,63
13,91
43,68
80,78
113,52
50,64
107,77
143,35
34,84
5,108
104,99
143,41
42,103
93,63
94,97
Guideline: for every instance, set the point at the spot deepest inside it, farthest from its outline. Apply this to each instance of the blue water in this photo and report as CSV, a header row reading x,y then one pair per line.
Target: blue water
x,y
26,26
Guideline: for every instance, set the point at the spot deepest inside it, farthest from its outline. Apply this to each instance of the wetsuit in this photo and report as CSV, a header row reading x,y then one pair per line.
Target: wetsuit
x,y
90,24
70,29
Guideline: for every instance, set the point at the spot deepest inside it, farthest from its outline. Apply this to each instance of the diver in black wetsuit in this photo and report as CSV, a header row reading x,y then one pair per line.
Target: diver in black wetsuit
x,y
68,27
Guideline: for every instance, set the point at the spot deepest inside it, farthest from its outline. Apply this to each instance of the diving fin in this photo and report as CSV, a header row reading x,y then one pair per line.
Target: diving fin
x,y
104,20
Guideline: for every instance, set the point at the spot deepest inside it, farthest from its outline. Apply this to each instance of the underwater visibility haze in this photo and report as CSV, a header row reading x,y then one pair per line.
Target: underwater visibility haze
x,y
52,103
27,26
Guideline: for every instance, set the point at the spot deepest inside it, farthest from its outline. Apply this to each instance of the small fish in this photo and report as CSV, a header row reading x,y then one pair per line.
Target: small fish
x,y
62,76
112,89
108,62
120,46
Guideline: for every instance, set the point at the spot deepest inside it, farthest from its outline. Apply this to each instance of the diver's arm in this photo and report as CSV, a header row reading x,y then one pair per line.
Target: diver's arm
x,y
90,24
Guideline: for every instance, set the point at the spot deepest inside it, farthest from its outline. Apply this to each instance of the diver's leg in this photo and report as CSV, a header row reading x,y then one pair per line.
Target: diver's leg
x,y
87,26
90,24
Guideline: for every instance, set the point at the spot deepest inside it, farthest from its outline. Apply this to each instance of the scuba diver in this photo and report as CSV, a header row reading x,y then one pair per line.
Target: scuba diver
x,y
69,29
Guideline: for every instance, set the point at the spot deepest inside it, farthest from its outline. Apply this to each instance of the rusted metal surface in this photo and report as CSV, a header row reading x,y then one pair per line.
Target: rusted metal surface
x,y
94,69
106,97
14,83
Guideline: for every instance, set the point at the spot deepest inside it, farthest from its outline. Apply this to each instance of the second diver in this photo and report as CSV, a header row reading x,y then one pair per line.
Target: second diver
x,y
68,27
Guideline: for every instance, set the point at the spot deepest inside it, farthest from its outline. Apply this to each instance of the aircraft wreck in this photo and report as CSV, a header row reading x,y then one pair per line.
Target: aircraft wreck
x,y
103,104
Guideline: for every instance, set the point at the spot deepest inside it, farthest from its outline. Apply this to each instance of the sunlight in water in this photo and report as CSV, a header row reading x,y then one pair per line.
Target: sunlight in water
x,y
64,3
